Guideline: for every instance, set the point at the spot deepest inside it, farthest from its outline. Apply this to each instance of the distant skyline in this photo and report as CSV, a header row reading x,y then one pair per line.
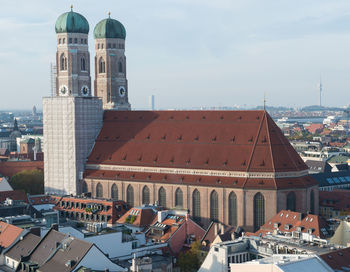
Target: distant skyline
x,y
192,53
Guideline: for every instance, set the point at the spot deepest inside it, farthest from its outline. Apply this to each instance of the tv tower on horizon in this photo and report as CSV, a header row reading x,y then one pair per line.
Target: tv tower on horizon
x,y
320,90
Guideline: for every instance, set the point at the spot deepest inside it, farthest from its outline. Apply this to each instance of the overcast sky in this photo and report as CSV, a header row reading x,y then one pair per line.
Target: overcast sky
x,y
192,53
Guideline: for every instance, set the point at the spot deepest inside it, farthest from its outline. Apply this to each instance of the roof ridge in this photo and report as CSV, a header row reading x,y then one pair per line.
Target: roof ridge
x,y
271,152
253,149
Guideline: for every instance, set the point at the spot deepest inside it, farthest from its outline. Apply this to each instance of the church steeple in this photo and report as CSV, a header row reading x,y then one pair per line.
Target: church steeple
x,y
72,57
110,64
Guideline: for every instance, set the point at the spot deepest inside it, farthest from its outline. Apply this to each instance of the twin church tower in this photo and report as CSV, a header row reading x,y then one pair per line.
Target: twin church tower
x,y
73,117
73,60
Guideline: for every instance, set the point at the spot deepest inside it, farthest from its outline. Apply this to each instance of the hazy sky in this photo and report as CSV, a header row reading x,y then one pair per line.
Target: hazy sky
x,y
192,53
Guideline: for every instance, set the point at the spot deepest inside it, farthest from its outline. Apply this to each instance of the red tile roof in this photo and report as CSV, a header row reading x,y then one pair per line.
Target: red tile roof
x,y
338,259
10,168
294,220
220,140
272,183
14,195
8,234
337,199
144,216
314,128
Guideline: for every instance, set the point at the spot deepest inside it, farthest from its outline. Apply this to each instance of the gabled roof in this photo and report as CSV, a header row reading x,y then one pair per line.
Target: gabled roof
x,y
8,234
14,195
247,141
294,221
143,216
23,247
338,260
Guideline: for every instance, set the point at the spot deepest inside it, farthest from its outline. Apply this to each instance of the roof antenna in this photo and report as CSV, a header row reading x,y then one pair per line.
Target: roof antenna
x,y
264,101
71,7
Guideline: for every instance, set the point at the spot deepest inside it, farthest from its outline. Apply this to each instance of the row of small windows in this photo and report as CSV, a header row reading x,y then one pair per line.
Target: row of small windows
x,y
111,45
71,40
63,63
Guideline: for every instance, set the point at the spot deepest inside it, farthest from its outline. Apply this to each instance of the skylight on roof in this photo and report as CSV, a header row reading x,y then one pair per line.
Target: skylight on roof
x,y
330,180
336,180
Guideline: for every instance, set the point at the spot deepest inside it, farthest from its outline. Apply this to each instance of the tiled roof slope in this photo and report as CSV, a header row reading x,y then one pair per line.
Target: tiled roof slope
x,y
294,220
246,141
8,234
10,168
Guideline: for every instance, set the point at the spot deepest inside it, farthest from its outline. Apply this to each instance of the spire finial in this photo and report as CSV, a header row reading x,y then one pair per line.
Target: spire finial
x,y
109,14
71,7
264,101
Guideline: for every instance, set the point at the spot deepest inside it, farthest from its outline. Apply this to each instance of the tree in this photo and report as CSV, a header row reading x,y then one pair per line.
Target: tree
x,y
191,259
30,181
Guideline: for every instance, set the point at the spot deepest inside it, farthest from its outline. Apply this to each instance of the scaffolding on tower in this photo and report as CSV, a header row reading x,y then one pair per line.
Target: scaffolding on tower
x,y
53,74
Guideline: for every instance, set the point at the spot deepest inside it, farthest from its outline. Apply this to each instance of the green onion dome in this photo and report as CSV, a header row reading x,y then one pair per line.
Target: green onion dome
x,y
109,28
72,22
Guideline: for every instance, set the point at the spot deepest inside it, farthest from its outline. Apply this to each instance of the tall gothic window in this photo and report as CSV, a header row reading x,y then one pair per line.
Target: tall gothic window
x,y
130,195
63,63
82,64
291,201
120,67
196,204
259,211
214,206
84,187
232,209
114,192
102,66
178,198
145,195
312,202
162,197
99,190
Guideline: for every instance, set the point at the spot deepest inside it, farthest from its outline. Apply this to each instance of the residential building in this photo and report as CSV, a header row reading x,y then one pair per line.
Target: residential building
x,y
57,252
175,228
335,204
330,181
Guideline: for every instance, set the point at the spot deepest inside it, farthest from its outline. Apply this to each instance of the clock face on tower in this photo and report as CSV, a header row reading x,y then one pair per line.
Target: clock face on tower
x,y
84,91
63,90
122,91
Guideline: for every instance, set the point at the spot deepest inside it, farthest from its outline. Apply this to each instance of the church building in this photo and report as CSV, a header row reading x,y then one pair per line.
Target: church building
x,y
235,167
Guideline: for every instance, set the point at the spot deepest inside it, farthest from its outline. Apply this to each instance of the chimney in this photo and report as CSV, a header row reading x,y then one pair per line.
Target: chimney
x,y
36,231
55,227
162,215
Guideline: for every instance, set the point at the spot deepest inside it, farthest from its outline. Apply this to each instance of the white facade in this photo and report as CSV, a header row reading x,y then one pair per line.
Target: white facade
x,y
71,125
281,263
96,260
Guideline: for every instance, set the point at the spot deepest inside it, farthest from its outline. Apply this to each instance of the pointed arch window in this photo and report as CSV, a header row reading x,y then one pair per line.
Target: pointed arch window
x,y
102,66
162,197
145,195
82,64
63,63
114,192
291,201
312,202
232,209
84,187
214,206
99,190
120,67
130,195
259,211
178,198
196,204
